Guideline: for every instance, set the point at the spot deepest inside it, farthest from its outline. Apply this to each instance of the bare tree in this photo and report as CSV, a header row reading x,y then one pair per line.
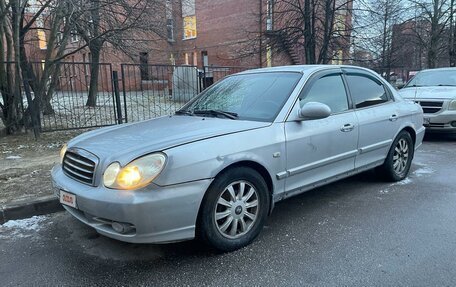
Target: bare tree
x,y
373,31
318,29
18,19
99,22
306,31
433,20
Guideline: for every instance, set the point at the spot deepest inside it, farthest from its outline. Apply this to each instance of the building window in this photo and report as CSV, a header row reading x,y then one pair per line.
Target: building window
x,y
269,10
59,38
189,19
170,29
205,58
74,37
186,59
195,59
339,24
169,21
189,27
143,65
338,58
41,34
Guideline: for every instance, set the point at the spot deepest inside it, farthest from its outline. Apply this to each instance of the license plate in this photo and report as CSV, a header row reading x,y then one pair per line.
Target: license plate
x,y
67,199
426,121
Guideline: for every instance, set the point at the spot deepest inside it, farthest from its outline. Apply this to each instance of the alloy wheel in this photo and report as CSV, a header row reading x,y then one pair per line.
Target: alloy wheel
x,y
401,156
237,209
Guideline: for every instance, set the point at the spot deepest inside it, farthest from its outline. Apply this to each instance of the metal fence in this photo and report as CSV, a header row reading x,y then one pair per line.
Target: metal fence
x,y
155,90
69,99
150,91
136,92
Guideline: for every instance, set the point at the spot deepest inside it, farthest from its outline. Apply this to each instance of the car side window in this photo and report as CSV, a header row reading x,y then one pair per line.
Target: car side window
x,y
329,90
366,92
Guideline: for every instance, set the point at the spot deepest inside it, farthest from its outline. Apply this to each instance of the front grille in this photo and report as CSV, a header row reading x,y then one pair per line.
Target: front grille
x,y
431,107
78,165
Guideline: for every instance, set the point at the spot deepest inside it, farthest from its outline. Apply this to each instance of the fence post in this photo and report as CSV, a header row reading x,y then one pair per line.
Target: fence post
x,y
115,83
124,92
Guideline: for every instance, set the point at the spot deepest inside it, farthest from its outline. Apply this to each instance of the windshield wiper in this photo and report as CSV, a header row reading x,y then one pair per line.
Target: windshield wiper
x,y
445,85
184,112
229,115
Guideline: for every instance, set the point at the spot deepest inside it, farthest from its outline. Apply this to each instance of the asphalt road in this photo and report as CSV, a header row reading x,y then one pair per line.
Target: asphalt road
x,y
357,232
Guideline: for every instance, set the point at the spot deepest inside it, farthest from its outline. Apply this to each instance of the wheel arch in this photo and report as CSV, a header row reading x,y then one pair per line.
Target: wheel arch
x,y
412,133
258,168
253,165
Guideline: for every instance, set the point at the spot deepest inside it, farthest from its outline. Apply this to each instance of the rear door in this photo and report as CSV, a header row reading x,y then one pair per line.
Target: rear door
x,y
320,149
377,116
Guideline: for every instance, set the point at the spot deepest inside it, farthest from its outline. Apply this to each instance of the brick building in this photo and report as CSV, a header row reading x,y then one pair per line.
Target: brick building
x,y
200,33
197,33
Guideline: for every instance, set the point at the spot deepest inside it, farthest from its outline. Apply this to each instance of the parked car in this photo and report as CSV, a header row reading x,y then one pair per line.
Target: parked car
x,y
215,168
435,91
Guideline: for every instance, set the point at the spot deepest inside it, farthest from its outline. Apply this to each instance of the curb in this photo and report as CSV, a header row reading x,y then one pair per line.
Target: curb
x,y
29,208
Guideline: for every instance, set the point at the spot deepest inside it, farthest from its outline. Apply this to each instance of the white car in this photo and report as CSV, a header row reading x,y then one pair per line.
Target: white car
x,y
435,91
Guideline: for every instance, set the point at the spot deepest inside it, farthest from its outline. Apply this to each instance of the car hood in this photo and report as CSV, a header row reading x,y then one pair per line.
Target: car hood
x,y
428,93
135,139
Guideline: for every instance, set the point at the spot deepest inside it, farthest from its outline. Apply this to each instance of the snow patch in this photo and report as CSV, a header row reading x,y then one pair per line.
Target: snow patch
x,y
12,157
403,182
53,145
32,223
423,170
23,227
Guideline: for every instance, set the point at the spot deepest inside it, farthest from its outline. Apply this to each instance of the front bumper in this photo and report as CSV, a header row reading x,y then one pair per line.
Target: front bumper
x,y
158,214
440,122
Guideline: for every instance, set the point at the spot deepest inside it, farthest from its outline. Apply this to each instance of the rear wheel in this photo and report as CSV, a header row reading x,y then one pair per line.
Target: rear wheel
x,y
234,209
397,164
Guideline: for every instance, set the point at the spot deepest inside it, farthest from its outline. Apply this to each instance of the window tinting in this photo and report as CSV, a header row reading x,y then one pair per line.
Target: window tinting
x,y
329,90
366,92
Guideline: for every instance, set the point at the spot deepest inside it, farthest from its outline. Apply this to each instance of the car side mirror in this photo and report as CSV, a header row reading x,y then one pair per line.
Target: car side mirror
x,y
314,111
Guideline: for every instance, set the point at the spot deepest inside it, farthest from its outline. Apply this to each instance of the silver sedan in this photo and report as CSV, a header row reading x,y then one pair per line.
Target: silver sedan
x,y
215,168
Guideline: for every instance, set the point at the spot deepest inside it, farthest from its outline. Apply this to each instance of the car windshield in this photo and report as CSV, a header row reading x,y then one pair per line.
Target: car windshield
x,y
433,78
257,97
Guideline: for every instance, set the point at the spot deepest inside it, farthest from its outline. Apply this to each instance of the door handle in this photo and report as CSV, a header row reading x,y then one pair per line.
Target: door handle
x,y
347,128
393,118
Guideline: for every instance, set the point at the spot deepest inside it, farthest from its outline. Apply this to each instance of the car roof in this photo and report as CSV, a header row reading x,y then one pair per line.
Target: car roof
x,y
301,68
439,69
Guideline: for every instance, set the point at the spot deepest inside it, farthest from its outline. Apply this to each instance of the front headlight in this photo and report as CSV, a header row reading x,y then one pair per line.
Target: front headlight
x,y
62,152
452,105
136,174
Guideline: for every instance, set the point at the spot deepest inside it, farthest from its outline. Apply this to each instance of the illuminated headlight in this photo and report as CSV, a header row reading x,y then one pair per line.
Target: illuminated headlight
x,y
452,105
136,174
62,152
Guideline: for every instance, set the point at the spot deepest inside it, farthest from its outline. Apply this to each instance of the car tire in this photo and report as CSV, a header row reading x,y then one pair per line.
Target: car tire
x,y
234,209
399,159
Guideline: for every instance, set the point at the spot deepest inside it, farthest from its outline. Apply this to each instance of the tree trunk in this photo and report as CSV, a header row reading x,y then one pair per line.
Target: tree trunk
x,y
94,71
330,15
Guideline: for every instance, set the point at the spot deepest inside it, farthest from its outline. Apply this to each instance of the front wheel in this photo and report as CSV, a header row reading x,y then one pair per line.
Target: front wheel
x,y
234,209
397,164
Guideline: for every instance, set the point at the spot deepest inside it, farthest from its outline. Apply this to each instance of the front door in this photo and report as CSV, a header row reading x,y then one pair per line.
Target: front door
x,y
323,148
